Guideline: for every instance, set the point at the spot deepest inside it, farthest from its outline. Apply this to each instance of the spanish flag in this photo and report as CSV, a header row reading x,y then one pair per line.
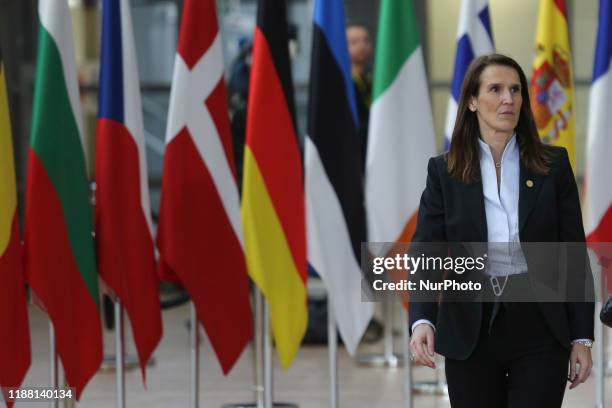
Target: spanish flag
x,y
552,87
15,342
273,192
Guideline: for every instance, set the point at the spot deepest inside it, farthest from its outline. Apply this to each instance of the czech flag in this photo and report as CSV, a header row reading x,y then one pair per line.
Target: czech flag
x,y
124,232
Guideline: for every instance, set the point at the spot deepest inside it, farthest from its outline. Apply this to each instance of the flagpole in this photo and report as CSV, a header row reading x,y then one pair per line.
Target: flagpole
x,y
262,361
119,354
258,355
332,344
391,359
388,358
437,387
259,372
53,363
599,362
259,348
268,373
408,362
267,355
607,348
195,359
600,366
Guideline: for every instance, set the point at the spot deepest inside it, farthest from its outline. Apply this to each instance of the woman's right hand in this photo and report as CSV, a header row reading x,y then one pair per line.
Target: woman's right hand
x,y
422,345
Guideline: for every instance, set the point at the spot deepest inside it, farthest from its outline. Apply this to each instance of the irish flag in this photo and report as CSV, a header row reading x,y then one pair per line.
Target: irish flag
x,y
59,249
15,343
401,133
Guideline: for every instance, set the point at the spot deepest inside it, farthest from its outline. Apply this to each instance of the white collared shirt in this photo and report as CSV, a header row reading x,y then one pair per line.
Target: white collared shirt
x,y
501,211
505,256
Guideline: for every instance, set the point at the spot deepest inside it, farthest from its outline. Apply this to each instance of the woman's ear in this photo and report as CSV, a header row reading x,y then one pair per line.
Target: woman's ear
x,y
472,104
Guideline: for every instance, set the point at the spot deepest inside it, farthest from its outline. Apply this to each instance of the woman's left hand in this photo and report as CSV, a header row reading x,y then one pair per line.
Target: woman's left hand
x,y
581,355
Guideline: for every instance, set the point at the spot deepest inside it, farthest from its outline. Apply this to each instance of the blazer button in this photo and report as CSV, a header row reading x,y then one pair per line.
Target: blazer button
x,y
529,183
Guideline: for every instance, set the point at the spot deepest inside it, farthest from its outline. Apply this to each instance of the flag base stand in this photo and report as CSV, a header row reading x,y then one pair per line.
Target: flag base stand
x,y
130,363
380,360
436,388
254,405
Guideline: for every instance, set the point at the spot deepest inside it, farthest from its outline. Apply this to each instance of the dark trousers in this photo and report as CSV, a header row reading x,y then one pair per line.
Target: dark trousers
x,y
517,363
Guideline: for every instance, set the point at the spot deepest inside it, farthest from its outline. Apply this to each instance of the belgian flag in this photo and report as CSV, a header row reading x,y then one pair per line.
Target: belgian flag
x,y
15,342
273,193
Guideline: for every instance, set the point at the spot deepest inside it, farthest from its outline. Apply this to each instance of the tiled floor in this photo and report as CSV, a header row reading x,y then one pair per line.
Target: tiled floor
x,y
305,383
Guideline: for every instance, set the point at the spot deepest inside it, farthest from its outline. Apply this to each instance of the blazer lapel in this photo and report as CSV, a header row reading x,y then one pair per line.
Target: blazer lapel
x,y
475,197
529,188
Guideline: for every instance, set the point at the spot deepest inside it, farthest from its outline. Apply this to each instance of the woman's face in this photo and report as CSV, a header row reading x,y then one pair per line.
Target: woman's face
x,y
498,104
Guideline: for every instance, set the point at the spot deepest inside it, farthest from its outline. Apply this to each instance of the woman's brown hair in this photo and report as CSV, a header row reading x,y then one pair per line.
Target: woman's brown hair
x,y
463,158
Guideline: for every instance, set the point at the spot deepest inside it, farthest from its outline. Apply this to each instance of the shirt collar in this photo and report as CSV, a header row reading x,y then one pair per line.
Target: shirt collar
x,y
511,148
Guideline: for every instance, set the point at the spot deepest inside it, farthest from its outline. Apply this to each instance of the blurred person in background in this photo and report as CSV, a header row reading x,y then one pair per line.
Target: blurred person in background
x,y
360,51
238,92
238,87
360,48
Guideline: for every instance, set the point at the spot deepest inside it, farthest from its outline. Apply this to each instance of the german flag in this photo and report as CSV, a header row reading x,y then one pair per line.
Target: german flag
x,y
273,193
15,343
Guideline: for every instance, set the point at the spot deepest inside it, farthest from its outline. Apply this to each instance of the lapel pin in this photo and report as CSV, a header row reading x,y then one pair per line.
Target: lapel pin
x,y
529,183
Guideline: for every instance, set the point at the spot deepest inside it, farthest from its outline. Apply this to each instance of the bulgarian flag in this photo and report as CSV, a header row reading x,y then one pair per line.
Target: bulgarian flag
x,y
59,249
273,207
15,343
124,231
552,87
401,134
